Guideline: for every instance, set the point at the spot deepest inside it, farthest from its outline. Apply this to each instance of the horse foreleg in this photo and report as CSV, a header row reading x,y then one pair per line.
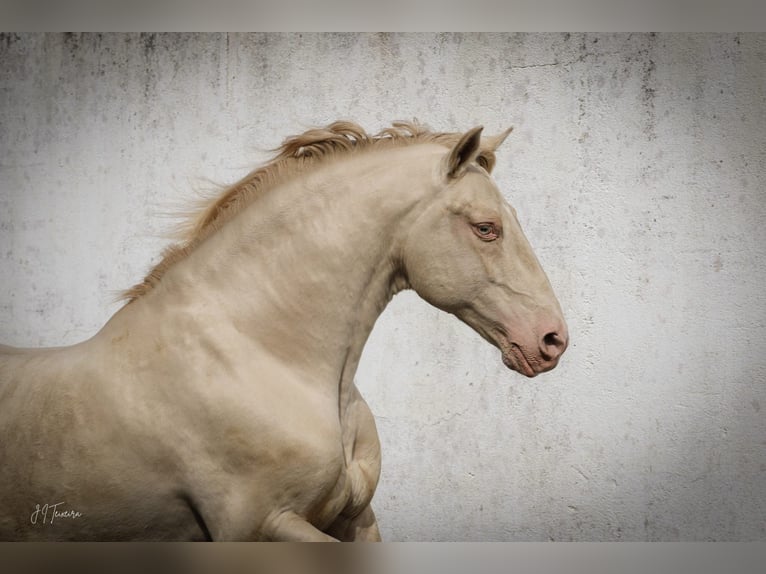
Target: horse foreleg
x,y
289,527
362,528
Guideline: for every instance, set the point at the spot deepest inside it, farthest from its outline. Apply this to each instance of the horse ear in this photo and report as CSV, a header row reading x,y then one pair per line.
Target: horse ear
x,y
494,142
464,152
489,145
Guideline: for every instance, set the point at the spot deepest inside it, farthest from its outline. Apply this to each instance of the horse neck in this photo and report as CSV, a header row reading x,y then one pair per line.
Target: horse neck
x,y
305,270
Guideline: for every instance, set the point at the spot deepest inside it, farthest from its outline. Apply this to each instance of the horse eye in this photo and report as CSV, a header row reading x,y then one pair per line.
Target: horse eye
x,y
486,231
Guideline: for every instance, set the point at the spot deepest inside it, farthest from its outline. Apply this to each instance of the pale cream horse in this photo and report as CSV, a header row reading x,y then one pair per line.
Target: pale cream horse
x,y
219,402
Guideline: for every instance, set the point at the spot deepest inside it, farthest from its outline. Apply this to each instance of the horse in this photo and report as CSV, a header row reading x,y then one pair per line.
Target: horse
x,y
218,402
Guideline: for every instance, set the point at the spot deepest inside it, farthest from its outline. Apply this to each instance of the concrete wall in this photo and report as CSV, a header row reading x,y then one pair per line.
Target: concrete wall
x,y
636,166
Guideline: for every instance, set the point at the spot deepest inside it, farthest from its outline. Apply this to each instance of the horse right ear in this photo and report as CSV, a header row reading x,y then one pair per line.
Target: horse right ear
x,y
464,152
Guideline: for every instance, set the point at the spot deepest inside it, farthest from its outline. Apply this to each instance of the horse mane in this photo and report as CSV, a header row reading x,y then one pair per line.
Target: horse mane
x,y
295,155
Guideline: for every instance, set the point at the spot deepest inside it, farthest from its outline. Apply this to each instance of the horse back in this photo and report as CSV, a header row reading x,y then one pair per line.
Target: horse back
x,y
8,350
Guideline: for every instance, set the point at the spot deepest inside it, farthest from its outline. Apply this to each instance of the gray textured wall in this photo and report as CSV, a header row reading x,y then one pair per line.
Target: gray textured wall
x,y
636,166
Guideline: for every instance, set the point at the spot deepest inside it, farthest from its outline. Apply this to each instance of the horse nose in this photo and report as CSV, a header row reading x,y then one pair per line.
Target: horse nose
x,y
554,343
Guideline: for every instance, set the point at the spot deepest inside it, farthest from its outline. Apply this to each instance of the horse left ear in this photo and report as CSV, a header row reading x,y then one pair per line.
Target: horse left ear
x,y
464,152
494,142
489,145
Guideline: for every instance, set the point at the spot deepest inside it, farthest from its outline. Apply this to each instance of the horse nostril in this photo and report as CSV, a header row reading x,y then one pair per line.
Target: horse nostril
x,y
553,345
551,340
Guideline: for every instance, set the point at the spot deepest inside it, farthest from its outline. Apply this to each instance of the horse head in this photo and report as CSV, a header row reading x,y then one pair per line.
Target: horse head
x,y
467,254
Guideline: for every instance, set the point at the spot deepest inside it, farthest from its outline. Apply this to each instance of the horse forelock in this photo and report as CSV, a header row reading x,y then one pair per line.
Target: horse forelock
x,y
293,157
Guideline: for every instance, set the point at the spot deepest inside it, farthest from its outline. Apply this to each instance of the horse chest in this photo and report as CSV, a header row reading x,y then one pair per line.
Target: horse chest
x,y
309,459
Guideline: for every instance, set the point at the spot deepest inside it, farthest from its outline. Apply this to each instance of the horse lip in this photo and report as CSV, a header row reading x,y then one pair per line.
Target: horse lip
x,y
514,358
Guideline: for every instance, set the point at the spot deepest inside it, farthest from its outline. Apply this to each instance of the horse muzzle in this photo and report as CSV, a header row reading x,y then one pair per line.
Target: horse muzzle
x,y
530,360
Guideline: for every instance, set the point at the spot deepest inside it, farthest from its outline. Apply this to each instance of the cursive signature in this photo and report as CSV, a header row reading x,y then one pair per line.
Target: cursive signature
x,y
47,513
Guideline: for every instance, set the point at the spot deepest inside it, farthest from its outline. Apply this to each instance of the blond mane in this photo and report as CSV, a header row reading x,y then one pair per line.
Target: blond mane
x,y
294,157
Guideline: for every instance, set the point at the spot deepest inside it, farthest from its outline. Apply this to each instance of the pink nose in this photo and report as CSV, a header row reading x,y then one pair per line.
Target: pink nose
x,y
554,343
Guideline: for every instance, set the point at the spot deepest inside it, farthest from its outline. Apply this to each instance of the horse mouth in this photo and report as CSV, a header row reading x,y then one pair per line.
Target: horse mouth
x,y
513,355
514,358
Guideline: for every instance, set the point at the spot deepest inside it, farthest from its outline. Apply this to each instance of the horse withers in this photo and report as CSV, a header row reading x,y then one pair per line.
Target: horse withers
x,y
219,401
